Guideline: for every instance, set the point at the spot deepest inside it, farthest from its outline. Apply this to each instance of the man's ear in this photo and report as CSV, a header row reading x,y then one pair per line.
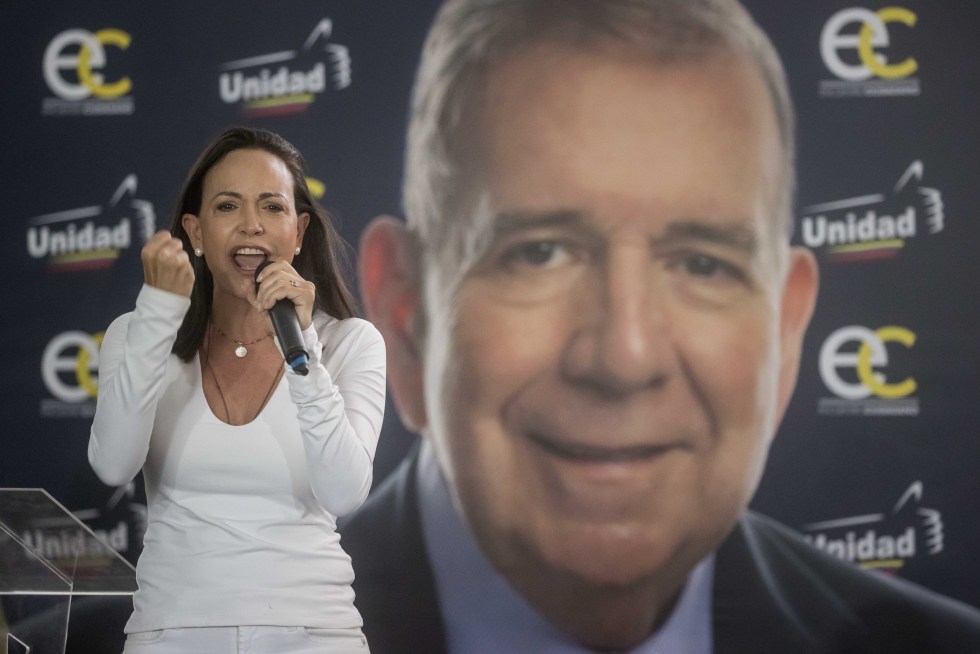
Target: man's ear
x,y
389,279
799,297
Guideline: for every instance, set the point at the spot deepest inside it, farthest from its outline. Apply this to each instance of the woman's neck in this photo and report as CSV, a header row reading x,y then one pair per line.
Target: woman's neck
x,y
238,319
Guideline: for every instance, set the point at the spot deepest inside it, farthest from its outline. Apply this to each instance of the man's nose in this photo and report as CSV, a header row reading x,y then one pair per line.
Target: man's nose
x,y
623,342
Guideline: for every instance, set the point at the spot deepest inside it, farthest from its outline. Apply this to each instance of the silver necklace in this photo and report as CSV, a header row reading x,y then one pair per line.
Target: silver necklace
x,y
241,350
224,404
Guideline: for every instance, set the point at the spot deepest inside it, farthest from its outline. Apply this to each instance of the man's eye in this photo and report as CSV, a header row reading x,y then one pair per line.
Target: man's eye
x,y
537,254
703,265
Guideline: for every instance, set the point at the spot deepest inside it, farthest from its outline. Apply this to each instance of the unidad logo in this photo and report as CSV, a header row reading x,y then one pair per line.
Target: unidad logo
x,y
91,237
856,47
877,225
287,82
883,541
852,360
120,522
115,529
73,70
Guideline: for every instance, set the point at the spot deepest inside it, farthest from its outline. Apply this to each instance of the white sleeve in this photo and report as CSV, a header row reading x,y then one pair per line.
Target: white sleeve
x,y
132,369
340,416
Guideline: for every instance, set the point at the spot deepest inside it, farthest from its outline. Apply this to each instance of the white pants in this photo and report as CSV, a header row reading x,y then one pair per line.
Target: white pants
x,y
247,640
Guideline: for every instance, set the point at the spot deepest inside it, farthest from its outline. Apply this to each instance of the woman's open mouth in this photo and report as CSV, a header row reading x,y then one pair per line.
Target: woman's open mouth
x,y
248,259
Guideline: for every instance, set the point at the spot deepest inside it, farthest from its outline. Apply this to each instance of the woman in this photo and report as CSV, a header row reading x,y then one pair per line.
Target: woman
x,y
246,463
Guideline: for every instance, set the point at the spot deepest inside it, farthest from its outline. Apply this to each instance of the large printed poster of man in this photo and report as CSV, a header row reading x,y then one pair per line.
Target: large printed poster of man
x,y
676,299
595,320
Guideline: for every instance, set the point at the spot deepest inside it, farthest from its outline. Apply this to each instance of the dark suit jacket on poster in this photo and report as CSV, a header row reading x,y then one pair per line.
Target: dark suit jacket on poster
x,y
772,591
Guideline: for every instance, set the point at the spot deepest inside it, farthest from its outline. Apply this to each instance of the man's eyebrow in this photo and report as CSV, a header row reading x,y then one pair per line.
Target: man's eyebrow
x,y
730,235
736,236
510,221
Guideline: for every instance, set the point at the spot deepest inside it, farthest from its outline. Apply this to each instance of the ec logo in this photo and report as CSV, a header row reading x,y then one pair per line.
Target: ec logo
x,y
871,353
872,34
68,364
90,56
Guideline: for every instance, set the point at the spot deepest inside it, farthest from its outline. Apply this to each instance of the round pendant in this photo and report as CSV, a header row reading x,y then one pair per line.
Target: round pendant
x,y
240,351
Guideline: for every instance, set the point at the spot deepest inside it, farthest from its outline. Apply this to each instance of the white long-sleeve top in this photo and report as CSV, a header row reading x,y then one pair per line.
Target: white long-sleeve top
x,y
241,519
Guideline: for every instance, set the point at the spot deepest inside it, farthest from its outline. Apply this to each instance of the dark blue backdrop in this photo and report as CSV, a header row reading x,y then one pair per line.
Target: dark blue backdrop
x,y
106,104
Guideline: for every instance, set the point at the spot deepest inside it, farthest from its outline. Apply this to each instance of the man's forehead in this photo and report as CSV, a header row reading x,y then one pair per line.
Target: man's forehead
x,y
740,232
509,117
530,140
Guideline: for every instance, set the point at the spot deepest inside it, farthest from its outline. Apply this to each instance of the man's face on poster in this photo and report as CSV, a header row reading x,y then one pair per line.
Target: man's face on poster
x,y
603,385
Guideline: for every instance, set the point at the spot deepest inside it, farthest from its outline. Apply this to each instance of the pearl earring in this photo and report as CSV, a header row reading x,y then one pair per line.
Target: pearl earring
x,y
297,250
198,252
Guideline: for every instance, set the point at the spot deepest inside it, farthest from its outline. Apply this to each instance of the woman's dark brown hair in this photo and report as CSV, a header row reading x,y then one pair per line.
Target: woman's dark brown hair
x,y
322,258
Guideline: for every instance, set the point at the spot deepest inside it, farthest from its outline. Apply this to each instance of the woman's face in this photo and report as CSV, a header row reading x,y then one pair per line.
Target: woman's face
x,y
248,214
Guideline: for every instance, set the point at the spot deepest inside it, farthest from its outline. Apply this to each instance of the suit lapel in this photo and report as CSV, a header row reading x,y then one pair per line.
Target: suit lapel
x,y
393,581
765,599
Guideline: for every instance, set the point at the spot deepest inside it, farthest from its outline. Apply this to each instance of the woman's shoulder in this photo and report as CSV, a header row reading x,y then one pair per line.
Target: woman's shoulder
x,y
119,326
152,301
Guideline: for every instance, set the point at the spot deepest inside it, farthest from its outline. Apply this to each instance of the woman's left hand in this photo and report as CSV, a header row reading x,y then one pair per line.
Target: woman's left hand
x,y
280,280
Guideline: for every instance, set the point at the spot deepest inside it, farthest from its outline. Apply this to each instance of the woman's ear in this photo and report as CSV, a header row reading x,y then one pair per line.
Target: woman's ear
x,y
302,222
389,281
192,225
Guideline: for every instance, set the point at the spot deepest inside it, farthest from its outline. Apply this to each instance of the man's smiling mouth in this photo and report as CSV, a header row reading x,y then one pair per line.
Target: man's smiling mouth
x,y
596,454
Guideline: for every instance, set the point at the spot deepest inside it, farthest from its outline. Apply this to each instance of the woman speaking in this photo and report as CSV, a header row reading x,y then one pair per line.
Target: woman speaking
x,y
247,464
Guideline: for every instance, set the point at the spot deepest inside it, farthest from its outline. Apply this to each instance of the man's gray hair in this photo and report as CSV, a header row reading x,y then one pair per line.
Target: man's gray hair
x,y
468,36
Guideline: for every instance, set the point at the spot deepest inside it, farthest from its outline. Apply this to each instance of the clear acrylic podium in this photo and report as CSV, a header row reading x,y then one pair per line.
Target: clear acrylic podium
x,y
48,556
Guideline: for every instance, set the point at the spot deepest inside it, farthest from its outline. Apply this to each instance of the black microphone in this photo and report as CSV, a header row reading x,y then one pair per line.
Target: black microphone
x,y
286,324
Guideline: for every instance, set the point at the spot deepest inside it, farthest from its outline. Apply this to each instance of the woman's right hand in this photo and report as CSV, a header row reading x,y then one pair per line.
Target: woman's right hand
x,y
166,265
